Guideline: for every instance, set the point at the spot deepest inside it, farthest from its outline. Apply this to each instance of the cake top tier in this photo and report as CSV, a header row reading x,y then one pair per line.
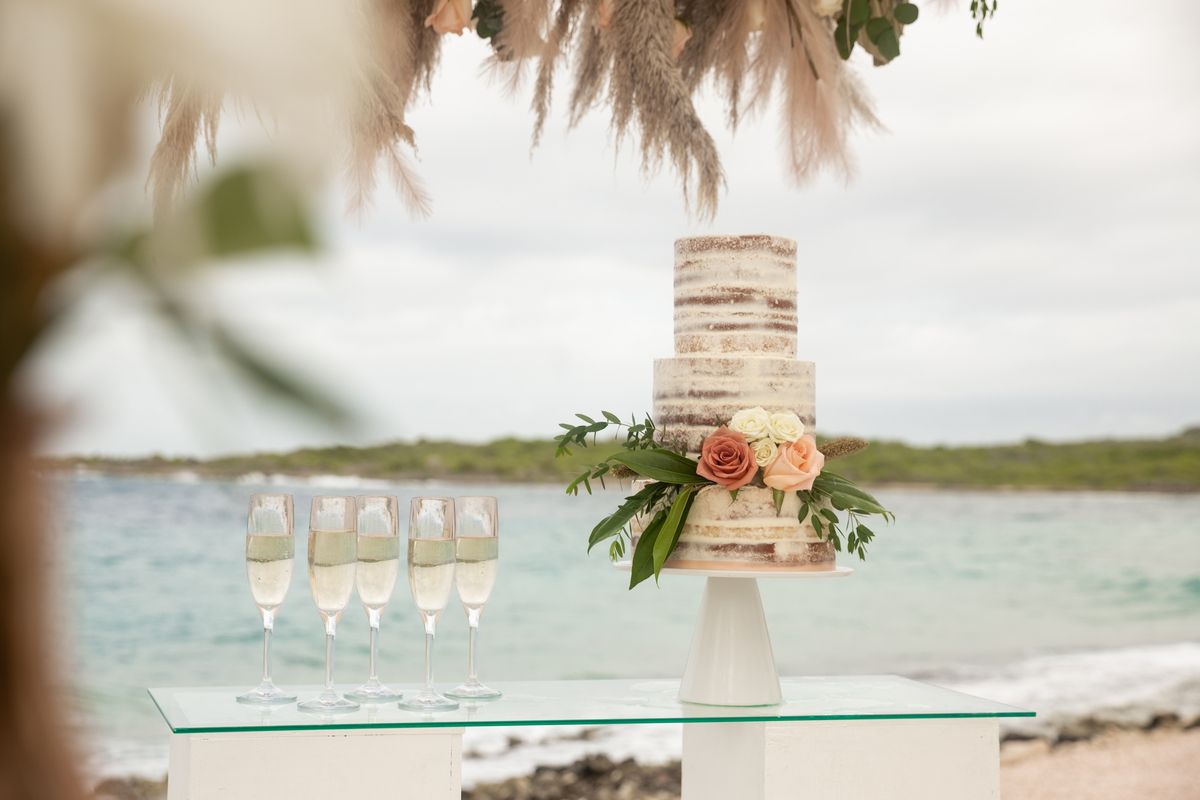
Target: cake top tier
x,y
735,295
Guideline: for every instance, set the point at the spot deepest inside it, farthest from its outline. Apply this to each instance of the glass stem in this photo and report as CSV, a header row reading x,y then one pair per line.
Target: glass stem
x,y
472,632
268,624
330,629
373,616
430,623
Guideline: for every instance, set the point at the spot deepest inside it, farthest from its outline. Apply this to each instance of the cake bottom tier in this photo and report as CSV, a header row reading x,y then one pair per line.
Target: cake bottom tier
x,y
748,533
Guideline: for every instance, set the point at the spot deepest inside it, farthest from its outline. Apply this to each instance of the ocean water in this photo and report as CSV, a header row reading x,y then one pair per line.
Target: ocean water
x,y
1084,606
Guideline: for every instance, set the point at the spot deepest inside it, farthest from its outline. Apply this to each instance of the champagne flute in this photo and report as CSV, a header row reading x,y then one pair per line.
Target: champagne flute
x,y
431,578
270,546
378,566
477,549
332,553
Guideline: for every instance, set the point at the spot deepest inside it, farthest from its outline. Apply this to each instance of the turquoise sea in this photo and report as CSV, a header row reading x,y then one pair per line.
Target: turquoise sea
x,y
1084,606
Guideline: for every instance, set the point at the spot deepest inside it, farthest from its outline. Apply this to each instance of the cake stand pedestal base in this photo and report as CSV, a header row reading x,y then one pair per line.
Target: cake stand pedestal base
x,y
731,662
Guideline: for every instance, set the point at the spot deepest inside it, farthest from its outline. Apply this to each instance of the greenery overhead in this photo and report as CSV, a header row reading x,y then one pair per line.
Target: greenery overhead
x,y
642,62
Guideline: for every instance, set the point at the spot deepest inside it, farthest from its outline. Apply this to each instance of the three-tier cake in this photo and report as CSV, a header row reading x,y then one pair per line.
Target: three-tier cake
x,y
735,347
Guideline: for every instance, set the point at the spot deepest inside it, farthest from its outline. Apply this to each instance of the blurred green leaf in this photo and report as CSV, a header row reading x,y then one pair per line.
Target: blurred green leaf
x,y
906,13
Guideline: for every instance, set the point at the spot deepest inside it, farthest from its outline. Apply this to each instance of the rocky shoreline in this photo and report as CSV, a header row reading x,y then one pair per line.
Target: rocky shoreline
x,y
1162,762
595,777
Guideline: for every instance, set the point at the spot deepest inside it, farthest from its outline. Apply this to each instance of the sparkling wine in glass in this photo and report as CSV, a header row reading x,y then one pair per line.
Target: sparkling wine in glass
x,y
431,559
378,566
477,548
270,547
332,557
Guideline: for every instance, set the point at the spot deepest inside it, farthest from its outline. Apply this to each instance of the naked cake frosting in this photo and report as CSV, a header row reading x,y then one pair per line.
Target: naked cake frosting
x,y
735,348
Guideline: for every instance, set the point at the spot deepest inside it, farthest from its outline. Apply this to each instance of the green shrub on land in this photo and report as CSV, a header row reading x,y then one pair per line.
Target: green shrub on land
x,y
1170,464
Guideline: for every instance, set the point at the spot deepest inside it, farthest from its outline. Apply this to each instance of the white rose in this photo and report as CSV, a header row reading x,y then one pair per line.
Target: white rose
x,y
784,426
764,452
751,422
827,8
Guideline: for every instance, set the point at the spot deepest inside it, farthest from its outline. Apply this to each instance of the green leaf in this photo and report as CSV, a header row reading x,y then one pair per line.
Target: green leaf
x,y
643,554
586,419
611,417
614,523
860,11
876,27
616,550
777,497
803,512
845,36
672,527
888,44
248,210
818,526
906,13
660,465
829,515
733,495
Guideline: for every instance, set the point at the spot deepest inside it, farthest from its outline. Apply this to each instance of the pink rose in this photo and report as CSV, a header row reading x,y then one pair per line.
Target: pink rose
x,y
796,467
450,16
726,459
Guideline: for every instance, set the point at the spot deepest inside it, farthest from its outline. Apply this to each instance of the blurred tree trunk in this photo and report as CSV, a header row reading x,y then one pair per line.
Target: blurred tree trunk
x,y
37,761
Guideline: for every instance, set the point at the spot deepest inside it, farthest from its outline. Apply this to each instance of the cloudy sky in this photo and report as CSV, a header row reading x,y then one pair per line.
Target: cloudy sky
x,y
1017,256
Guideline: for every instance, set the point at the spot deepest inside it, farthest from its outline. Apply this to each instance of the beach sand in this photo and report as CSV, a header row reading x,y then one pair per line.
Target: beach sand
x,y
1162,764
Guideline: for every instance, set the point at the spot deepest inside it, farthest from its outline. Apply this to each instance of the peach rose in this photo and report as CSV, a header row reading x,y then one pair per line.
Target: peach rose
x,y
450,16
604,14
682,34
796,467
726,459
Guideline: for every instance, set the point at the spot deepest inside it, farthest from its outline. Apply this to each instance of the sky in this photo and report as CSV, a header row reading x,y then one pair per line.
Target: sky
x,y
1015,257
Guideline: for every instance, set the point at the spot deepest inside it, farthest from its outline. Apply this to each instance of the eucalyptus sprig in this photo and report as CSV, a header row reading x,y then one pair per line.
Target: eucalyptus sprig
x,y
664,503
981,10
832,493
875,26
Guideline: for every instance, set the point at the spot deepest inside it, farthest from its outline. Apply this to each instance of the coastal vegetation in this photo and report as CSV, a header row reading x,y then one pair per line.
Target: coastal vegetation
x,y
1170,464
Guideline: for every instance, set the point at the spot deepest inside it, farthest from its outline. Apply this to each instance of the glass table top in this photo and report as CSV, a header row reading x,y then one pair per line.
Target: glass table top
x,y
588,702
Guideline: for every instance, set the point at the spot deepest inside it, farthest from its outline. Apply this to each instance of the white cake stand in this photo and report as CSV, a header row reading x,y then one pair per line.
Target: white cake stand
x,y
731,662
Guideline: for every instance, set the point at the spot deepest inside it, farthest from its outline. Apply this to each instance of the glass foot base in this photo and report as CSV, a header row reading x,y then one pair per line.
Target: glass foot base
x,y
474,690
373,693
428,700
266,694
328,704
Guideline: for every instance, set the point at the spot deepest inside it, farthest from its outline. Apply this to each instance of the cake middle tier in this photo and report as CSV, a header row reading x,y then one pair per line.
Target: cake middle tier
x,y
695,396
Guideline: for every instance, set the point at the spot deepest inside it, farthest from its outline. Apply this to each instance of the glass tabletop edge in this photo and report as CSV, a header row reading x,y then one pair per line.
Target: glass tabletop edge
x,y
597,722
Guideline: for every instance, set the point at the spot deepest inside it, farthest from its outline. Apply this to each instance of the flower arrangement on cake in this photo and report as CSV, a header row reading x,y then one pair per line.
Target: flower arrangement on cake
x,y
755,450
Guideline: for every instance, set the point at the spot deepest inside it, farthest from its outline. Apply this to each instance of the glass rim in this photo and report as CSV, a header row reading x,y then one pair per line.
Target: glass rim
x,y
393,504
286,508
350,519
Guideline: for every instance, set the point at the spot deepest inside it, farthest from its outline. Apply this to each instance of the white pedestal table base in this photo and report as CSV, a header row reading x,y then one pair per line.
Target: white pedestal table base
x,y
396,764
920,759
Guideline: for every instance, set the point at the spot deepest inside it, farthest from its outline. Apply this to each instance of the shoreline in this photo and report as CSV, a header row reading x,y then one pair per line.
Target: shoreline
x,y
317,478
1161,761
1169,464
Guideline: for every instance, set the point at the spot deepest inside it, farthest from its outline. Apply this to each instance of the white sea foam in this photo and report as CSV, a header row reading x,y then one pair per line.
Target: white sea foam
x,y
1076,693
342,482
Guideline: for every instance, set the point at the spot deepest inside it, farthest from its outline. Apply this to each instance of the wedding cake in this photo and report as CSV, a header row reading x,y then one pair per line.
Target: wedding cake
x,y
735,348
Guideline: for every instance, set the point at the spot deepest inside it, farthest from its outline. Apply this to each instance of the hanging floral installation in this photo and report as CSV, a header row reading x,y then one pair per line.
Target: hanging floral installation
x,y
642,59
